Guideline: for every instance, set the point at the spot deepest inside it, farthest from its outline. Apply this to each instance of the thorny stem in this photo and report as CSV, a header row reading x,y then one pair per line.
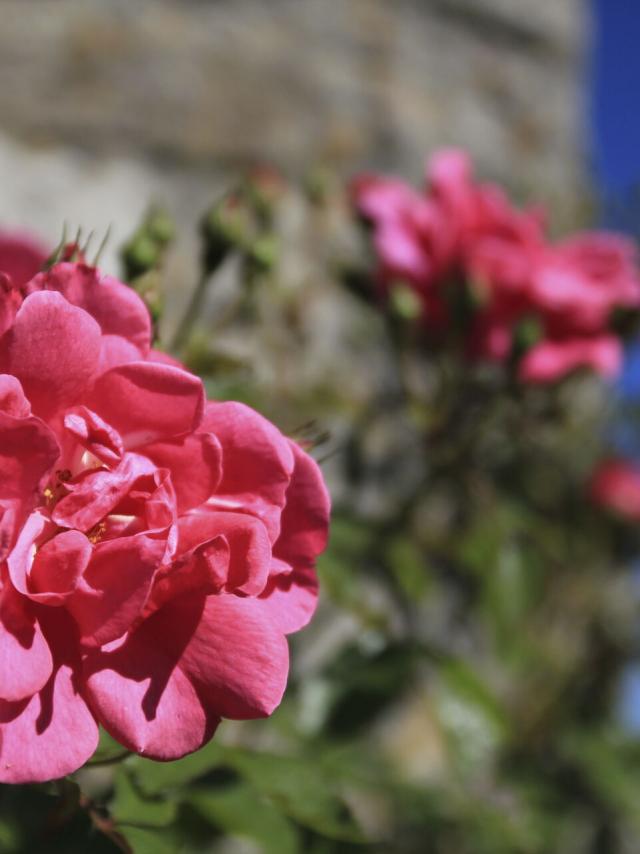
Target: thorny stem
x,y
104,824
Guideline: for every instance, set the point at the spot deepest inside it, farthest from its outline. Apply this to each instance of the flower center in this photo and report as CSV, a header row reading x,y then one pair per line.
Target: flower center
x,y
56,488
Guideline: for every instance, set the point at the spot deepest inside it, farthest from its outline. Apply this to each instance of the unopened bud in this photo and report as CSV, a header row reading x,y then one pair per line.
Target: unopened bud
x,y
148,287
140,255
159,226
263,253
404,301
317,186
265,188
226,226
527,334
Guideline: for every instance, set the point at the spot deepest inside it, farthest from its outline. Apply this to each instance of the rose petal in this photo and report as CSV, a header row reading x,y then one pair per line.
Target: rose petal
x,y
141,695
10,302
94,434
58,566
116,351
53,349
53,733
12,399
305,519
115,586
117,308
550,360
247,539
148,402
290,600
21,257
257,463
28,453
96,493
236,654
25,659
189,663
195,463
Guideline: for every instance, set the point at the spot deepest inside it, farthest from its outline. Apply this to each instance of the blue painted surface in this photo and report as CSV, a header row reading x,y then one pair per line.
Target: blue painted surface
x,y
615,113
615,146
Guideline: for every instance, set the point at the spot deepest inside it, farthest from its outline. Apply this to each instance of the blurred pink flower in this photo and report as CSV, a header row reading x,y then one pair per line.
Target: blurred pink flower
x,y
410,232
550,360
578,283
615,484
497,243
486,267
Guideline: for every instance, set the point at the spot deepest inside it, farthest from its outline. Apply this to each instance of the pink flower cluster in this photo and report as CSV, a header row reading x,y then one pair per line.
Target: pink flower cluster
x,y
615,485
458,238
155,549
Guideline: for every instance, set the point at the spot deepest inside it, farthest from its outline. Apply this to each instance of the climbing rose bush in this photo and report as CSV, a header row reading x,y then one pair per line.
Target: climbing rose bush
x,y
481,266
155,549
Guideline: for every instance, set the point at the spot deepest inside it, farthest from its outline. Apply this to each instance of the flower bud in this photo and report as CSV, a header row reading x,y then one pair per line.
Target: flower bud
x,y
527,333
404,302
160,227
145,250
140,255
264,188
226,226
263,253
148,287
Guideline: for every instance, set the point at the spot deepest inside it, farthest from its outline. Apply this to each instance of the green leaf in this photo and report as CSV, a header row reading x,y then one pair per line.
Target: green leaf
x,y
338,566
151,840
408,567
470,715
611,764
130,806
239,811
301,789
156,777
509,591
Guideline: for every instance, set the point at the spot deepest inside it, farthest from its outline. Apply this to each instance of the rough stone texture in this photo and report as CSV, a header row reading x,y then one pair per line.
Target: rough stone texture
x,y
193,86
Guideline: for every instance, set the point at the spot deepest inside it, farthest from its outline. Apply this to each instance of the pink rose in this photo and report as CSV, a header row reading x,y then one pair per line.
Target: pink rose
x,y
578,283
411,236
551,360
497,242
155,549
615,484
21,256
575,287
491,334
483,265
454,229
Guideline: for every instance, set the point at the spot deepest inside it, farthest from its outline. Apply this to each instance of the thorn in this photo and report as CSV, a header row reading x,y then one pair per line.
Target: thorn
x,y
84,249
55,255
103,245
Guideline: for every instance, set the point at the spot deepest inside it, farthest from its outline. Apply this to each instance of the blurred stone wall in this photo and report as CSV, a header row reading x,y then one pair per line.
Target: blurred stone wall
x,y
108,103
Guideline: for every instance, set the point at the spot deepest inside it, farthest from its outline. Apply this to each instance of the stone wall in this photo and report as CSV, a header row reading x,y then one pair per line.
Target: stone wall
x,y
107,103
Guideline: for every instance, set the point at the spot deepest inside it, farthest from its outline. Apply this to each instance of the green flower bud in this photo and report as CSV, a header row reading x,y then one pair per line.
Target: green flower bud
x,y
404,301
159,226
140,255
